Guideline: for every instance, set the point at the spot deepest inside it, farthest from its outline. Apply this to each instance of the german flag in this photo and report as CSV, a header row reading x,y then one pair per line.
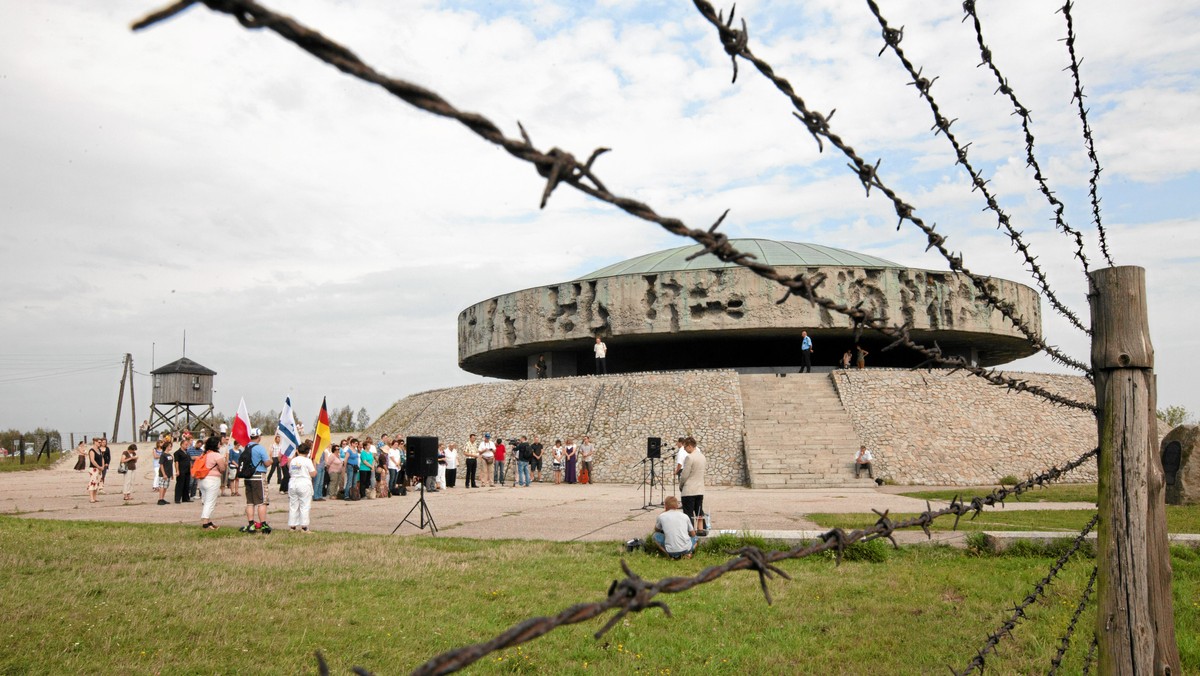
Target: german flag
x,y
320,434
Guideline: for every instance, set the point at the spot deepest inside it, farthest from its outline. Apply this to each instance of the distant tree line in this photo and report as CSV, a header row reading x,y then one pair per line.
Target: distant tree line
x,y
9,438
1174,416
342,419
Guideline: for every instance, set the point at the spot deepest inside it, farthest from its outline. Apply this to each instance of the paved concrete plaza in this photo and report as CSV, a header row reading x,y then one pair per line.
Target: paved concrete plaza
x,y
598,512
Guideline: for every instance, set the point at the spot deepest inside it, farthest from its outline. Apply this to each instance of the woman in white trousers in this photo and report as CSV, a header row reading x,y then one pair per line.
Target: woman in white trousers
x,y
300,488
210,485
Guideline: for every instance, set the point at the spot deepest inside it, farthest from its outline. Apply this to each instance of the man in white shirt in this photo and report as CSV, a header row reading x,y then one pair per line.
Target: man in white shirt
x,y
451,464
487,453
680,455
863,460
601,352
392,449
673,532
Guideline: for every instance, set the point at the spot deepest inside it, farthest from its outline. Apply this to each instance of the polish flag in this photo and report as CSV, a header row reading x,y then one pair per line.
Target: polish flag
x,y
241,424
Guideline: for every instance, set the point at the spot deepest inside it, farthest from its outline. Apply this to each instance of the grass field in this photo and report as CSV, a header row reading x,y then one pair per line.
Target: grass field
x,y
1051,493
13,463
1179,520
102,598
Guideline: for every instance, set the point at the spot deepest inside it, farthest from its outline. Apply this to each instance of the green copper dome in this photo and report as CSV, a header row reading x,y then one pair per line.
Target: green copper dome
x,y
766,251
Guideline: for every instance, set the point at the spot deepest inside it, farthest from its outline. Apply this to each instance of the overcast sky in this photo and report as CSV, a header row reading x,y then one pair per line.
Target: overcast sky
x,y
314,236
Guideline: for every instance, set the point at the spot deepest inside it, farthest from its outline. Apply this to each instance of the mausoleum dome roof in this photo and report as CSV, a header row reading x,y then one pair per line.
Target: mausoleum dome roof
x,y
767,251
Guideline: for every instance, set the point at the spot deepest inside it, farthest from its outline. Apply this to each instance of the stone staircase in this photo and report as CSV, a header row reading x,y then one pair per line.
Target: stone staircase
x,y
798,435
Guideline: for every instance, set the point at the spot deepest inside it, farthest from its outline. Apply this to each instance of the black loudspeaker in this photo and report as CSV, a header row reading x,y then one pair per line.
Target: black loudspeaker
x,y
422,456
653,447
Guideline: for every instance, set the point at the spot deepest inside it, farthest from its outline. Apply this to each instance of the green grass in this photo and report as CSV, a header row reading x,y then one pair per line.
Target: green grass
x,y
1180,519
13,463
106,598
1052,493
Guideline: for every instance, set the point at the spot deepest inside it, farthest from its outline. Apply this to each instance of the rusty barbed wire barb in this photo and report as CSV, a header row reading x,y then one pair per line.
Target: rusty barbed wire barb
x,y
978,182
818,126
888,527
1065,641
765,569
1077,96
162,14
1018,611
969,9
735,41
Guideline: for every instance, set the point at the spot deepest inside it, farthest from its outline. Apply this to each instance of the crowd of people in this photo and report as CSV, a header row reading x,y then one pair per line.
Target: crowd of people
x,y
185,467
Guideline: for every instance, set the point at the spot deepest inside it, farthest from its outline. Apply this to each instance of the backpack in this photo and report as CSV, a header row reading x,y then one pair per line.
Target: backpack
x,y
246,463
200,468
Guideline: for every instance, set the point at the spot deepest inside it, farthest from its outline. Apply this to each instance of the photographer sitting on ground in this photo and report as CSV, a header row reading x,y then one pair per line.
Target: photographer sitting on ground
x,y
673,533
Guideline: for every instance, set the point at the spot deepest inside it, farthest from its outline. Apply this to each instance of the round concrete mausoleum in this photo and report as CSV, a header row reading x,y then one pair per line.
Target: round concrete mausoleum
x,y
663,312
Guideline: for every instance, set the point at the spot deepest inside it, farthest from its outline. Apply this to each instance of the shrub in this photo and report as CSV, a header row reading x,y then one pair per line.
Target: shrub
x,y
1009,480
978,545
1051,550
871,551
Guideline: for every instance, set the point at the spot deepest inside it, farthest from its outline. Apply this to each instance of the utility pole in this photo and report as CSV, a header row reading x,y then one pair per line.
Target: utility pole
x,y
1135,618
132,404
126,371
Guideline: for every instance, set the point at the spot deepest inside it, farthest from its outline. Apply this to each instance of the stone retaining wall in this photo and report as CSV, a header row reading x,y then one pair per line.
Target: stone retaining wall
x,y
925,427
618,411
937,427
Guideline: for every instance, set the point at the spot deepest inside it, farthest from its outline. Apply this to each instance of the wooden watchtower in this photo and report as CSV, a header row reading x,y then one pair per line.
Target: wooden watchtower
x,y
183,397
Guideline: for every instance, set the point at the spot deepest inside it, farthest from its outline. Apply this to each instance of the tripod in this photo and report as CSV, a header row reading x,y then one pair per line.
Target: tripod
x,y
649,477
425,516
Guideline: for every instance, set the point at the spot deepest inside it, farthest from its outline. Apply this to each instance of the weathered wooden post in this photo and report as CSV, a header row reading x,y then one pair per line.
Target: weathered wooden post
x,y
1135,618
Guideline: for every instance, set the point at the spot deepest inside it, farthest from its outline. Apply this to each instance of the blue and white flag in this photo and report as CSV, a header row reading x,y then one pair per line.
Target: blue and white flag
x,y
287,429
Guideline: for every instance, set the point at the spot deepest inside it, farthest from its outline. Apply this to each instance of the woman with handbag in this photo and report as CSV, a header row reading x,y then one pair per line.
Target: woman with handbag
x,y
215,464
95,464
127,467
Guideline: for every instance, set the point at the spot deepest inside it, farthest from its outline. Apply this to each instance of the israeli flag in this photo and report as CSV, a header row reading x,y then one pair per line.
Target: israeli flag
x,y
287,429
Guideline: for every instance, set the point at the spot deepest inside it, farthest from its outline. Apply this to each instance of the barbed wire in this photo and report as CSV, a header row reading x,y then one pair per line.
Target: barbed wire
x,y
1022,112
1018,611
736,43
1091,654
633,594
1077,97
941,125
559,167
1065,641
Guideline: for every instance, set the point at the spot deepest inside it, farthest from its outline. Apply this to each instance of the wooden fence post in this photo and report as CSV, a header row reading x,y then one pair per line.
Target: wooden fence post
x,y
1135,618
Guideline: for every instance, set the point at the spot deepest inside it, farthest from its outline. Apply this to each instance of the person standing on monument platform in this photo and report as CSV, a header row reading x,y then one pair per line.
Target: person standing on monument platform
x,y
860,357
601,352
806,350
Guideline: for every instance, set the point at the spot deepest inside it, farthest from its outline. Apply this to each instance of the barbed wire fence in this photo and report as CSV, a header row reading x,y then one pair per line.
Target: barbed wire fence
x,y
559,167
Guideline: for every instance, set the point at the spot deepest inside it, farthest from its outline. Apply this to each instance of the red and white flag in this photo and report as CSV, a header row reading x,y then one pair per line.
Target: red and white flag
x,y
241,424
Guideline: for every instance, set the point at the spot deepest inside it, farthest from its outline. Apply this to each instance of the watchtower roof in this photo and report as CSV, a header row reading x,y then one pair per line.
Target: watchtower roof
x,y
184,365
